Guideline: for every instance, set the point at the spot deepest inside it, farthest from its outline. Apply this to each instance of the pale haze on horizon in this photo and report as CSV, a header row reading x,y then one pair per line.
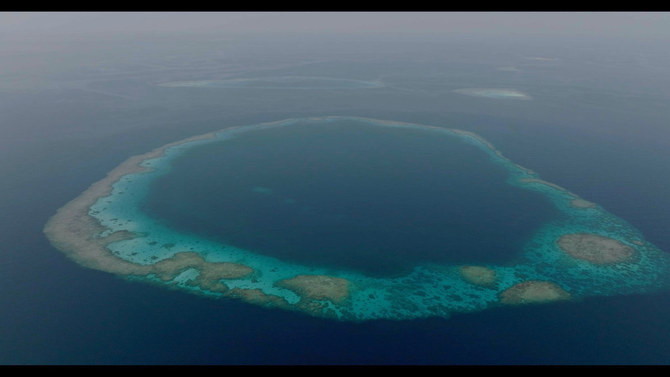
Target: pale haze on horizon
x,y
633,24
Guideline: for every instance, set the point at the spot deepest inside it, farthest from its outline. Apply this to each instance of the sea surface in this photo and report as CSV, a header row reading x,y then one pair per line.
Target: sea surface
x,y
595,122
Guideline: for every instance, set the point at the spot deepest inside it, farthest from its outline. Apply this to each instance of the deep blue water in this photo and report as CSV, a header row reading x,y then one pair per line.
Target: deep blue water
x,y
377,200
608,147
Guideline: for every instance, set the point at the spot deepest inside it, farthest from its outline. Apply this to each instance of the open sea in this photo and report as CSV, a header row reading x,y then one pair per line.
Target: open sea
x,y
594,120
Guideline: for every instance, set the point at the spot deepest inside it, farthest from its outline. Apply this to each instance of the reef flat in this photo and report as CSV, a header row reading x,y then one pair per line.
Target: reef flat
x,y
584,252
533,292
479,275
318,287
595,248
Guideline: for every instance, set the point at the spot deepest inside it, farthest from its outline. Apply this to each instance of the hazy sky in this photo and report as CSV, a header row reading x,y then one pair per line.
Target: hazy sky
x,y
550,23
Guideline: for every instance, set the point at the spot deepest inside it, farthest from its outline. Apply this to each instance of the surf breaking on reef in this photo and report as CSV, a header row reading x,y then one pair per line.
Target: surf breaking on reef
x,y
587,252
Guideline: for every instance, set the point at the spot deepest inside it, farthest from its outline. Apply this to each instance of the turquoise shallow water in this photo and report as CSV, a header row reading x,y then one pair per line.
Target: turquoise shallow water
x,y
428,288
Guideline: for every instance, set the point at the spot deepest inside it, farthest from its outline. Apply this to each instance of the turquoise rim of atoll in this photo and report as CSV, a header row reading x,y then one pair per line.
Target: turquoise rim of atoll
x,y
543,272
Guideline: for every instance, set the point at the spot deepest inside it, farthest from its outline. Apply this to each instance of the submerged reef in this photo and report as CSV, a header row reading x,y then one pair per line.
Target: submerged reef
x,y
533,292
314,290
478,275
584,252
581,203
595,248
318,287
